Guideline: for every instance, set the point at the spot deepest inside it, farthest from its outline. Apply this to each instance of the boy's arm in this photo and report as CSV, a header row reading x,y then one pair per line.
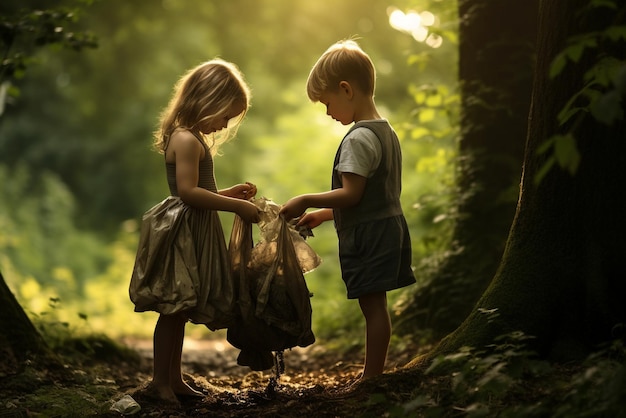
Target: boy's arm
x,y
348,195
316,218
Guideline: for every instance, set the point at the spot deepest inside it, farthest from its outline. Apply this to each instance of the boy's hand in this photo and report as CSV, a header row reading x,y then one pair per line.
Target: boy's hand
x,y
293,208
316,218
310,220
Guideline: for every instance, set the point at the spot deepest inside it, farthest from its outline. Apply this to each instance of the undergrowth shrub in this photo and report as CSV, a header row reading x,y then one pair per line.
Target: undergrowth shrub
x,y
482,381
472,382
507,380
599,389
80,344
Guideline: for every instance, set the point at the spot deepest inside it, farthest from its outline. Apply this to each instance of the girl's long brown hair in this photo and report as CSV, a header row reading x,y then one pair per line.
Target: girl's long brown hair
x,y
205,93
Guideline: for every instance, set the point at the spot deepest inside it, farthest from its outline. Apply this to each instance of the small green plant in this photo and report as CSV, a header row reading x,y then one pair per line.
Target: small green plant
x,y
78,343
478,382
507,380
53,330
599,390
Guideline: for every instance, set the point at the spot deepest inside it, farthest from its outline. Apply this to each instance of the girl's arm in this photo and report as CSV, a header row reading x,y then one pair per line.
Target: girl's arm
x,y
240,191
188,151
348,195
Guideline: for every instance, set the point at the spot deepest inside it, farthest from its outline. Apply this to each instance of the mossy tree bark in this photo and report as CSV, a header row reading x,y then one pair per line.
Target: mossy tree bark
x,y
562,277
497,41
19,340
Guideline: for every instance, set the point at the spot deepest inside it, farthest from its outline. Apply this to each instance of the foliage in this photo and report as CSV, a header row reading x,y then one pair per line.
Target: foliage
x,y
430,133
40,243
482,379
75,145
22,34
506,379
600,388
602,94
79,342
100,108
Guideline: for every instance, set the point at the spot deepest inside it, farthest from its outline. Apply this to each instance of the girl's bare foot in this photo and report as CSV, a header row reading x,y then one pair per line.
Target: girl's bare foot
x,y
183,389
162,392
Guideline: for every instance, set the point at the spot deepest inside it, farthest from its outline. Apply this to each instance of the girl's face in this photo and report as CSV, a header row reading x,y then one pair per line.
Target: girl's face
x,y
221,121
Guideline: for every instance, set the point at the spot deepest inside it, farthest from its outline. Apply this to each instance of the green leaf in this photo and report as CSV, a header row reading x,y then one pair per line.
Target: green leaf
x,y
607,109
603,3
603,72
566,152
567,113
426,115
434,100
557,65
616,33
574,52
543,171
419,132
620,80
545,146
419,97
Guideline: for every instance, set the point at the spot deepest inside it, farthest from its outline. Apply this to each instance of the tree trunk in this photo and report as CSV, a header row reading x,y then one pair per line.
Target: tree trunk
x,y
562,276
19,340
496,50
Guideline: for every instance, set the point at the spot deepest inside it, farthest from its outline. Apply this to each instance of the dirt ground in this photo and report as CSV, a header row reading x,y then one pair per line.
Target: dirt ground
x,y
315,382
96,376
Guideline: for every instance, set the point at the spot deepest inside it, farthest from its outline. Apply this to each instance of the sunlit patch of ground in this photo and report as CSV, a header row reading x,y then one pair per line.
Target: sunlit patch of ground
x,y
316,381
233,390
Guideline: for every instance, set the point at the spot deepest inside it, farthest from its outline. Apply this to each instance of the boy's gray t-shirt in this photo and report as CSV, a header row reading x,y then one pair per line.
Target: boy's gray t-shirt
x,y
360,153
381,197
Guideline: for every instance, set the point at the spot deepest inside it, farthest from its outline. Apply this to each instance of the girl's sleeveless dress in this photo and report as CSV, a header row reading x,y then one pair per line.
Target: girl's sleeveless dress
x,y
182,261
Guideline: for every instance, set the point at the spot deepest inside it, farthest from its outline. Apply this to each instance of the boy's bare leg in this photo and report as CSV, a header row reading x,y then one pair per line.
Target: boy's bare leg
x,y
377,332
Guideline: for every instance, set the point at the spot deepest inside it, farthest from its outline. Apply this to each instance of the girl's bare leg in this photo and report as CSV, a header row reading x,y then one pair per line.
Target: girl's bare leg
x,y
165,334
377,332
177,383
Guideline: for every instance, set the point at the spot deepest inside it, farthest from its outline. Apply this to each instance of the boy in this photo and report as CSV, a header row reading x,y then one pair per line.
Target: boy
x,y
374,242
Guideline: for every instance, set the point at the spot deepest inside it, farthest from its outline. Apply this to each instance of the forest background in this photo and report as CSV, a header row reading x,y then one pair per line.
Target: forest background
x,y
77,169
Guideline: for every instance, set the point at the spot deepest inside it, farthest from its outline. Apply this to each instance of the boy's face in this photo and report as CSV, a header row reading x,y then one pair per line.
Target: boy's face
x,y
339,105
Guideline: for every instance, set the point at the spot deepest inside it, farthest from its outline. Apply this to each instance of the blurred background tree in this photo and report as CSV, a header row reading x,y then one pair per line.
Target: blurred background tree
x,y
21,35
560,279
77,169
496,57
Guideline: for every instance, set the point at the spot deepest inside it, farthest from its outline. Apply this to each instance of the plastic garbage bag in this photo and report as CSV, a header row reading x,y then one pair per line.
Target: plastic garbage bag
x,y
272,295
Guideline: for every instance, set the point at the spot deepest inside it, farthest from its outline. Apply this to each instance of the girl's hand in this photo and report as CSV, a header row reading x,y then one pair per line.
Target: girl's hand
x,y
242,191
249,212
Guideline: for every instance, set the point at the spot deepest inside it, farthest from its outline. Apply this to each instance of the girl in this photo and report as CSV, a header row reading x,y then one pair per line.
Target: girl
x,y
181,269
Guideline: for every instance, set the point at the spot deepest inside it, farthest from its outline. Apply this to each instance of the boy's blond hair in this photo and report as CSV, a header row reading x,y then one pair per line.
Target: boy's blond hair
x,y
343,61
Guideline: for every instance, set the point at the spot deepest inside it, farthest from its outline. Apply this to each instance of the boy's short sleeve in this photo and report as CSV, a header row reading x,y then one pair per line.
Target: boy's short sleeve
x,y
360,153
